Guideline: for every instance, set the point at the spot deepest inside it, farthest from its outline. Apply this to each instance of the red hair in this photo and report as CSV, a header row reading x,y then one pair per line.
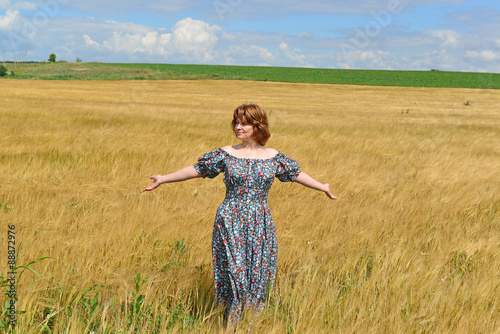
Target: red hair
x,y
254,115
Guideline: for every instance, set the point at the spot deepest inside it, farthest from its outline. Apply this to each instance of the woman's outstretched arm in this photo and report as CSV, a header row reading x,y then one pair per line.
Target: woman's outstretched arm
x,y
183,174
308,181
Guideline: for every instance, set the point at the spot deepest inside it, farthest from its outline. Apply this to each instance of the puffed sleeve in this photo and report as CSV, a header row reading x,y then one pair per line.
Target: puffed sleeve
x,y
288,169
211,164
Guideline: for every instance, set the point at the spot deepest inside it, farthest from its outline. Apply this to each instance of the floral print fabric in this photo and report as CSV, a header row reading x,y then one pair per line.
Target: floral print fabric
x,y
244,245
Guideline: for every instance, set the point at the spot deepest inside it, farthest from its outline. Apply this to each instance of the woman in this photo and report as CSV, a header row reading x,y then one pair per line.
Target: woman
x,y
244,246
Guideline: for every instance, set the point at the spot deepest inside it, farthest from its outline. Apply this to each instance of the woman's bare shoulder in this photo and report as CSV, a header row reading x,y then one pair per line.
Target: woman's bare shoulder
x,y
229,148
271,151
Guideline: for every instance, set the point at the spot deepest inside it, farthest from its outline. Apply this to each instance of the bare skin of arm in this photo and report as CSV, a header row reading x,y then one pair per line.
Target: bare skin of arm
x,y
309,182
183,174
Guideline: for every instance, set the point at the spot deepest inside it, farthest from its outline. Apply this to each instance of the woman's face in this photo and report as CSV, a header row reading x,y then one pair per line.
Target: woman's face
x,y
243,130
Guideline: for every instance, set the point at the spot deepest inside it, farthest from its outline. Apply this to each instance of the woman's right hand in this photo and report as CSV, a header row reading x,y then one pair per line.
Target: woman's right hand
x,y
156,183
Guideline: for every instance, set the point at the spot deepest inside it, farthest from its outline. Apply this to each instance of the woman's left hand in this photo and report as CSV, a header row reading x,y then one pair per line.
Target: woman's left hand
x,y
328,193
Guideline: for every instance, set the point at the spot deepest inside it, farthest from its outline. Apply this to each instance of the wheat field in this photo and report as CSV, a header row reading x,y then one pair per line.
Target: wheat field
x,y
411,246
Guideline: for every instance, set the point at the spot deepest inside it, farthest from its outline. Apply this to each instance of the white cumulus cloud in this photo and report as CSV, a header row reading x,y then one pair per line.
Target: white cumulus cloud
x,y
150,42
191,40
447,37
295,56
195,39
10,21
125,42
305,34
150,39
486,55
254,54
89,41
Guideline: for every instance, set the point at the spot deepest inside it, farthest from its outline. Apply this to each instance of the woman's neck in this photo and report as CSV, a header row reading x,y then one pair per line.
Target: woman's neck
x,y
250,146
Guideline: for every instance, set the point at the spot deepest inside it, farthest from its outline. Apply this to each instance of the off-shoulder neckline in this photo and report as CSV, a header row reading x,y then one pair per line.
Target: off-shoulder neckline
x,y
275,156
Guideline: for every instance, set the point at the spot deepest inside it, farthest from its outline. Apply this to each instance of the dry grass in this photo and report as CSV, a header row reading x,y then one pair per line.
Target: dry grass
x,y
411,246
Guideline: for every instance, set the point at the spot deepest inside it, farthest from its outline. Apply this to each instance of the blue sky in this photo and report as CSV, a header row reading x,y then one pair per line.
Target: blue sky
x,y
452,35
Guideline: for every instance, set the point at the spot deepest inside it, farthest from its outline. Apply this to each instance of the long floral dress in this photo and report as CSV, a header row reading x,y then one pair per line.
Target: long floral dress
x,y
244,245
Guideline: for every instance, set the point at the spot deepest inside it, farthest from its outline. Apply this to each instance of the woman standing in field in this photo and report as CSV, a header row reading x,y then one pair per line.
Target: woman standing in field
x,y
244,245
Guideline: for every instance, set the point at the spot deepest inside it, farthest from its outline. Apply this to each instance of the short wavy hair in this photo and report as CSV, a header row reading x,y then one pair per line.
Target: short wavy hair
x,y
254,115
